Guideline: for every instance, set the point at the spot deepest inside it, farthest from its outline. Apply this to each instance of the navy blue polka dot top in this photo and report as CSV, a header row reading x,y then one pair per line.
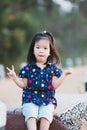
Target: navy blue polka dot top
x,y
39,89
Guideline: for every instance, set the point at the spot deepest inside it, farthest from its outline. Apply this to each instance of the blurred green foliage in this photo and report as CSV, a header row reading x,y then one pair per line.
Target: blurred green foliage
x,y
20,19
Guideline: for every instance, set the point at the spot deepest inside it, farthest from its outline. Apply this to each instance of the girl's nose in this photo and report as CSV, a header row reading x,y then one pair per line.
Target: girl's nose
x,y
41,50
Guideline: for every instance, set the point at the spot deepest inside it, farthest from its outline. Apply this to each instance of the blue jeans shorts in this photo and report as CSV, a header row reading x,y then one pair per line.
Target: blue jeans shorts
x,y
32,110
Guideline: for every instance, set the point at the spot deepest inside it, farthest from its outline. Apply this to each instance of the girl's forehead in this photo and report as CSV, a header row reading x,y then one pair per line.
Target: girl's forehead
x,y
42,42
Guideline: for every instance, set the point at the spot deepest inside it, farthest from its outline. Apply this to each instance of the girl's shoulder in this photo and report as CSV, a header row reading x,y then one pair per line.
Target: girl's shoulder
x,y
53,65
25,67
57,70
28,66
23,73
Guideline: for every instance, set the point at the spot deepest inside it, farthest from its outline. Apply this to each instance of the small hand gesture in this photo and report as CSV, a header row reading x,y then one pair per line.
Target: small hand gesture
x,y
68,71
11,72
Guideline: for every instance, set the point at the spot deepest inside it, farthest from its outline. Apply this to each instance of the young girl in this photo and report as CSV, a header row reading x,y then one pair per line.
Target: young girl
x,y
39,79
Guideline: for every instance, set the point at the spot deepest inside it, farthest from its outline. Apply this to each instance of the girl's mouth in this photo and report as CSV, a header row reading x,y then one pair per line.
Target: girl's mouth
x,y
41,56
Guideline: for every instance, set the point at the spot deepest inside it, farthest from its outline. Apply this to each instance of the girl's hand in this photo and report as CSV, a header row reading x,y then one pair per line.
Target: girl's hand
x,y
68,71
19,81
11,73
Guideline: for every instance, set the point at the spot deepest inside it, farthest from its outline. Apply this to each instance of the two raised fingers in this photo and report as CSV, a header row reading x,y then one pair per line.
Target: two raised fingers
x,y
10,69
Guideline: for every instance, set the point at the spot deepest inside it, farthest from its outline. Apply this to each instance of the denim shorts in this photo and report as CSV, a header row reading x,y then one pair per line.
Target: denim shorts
x,y
32,110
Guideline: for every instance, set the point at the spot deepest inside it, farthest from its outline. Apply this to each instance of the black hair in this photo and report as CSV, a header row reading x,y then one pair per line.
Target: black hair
x,y
54,56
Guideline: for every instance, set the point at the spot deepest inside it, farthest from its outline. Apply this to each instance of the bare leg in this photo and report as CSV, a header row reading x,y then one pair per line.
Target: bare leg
x,y
31,124
44,124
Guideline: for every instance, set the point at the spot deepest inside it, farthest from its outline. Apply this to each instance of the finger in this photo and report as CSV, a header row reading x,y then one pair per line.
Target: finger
x,y
13,67
8,69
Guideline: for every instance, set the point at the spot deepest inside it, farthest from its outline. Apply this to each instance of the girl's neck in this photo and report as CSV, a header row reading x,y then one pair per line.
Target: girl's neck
x,y
41,65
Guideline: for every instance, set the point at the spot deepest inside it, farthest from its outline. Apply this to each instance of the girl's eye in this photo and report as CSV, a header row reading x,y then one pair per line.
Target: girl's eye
x,y
37,47
45,48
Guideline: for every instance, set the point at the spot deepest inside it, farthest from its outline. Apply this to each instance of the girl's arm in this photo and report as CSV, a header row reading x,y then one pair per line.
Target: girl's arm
x,y
58,81
19,81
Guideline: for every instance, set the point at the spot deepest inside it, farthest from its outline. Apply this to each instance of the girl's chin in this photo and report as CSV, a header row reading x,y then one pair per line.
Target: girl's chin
x,y
41,60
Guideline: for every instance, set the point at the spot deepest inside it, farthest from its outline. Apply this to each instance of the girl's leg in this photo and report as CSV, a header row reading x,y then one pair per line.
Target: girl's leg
x,y
31,124
44,124
46,116
30,111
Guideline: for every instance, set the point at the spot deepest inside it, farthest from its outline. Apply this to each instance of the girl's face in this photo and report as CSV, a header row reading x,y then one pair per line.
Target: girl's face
x,y
42,50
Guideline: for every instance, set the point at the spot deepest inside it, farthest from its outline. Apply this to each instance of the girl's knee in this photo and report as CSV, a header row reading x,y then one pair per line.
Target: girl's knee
x,y
44,119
